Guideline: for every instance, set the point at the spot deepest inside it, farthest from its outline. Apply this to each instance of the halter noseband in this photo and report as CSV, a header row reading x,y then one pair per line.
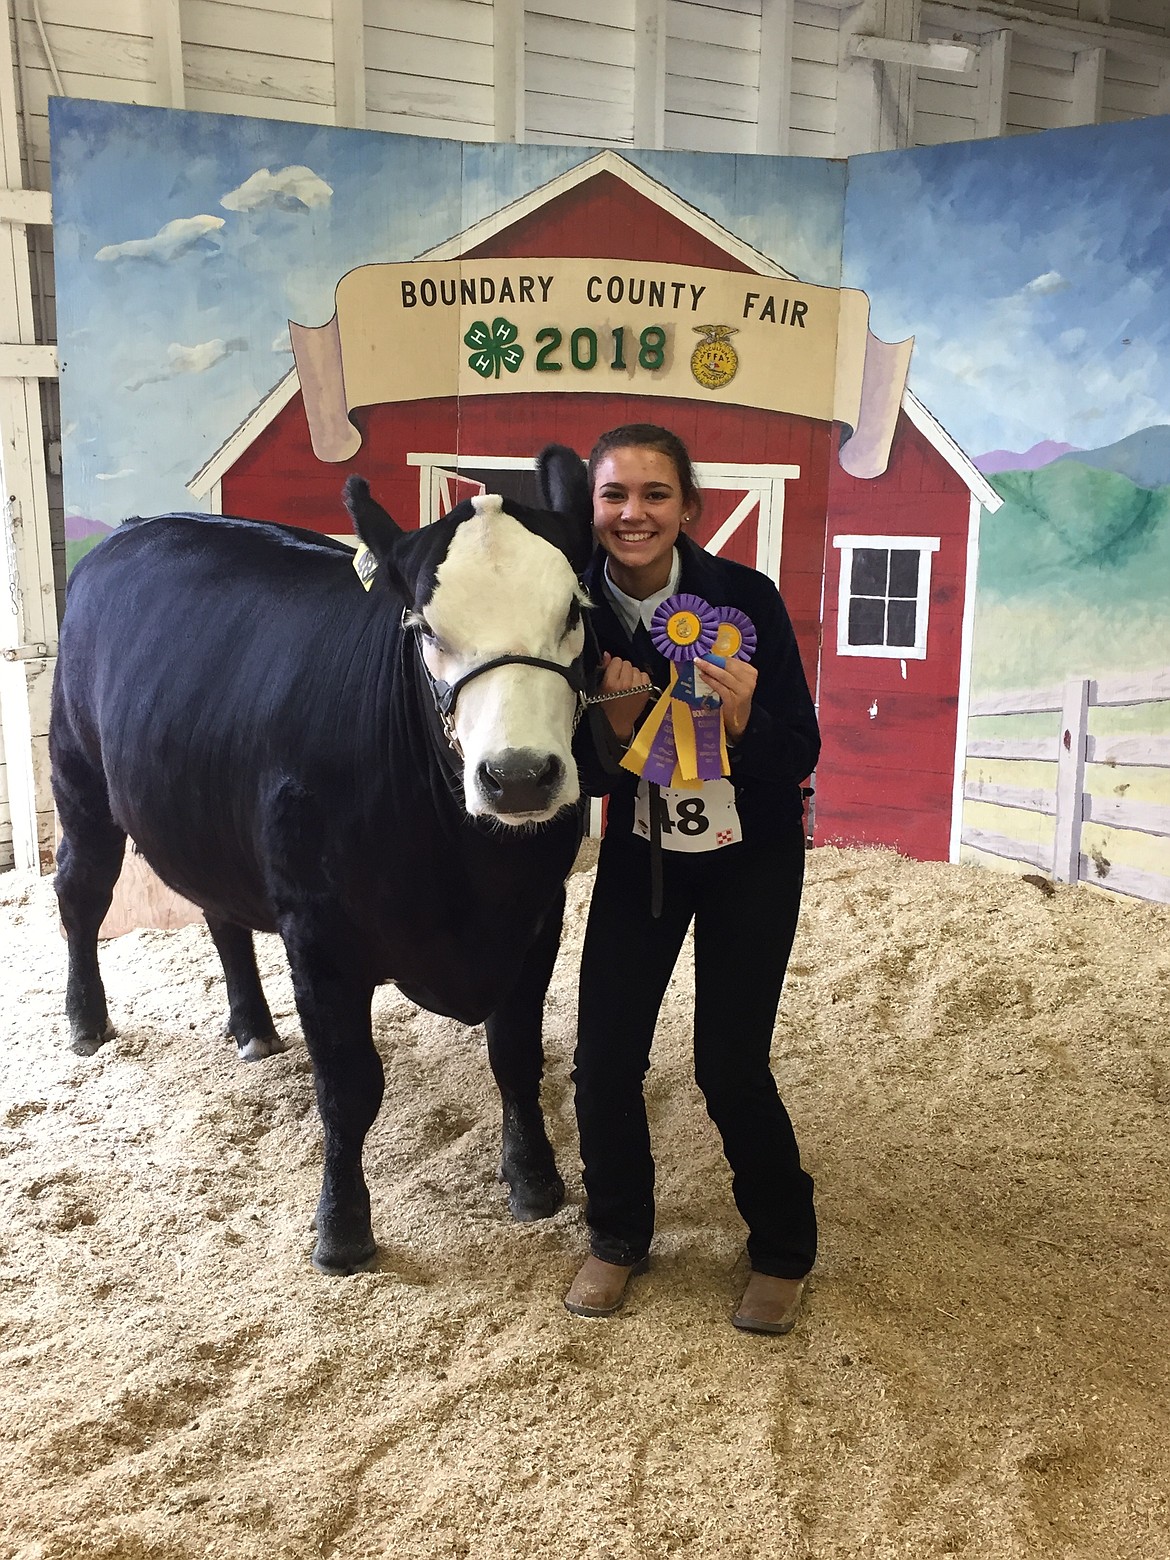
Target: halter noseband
x,y
445,694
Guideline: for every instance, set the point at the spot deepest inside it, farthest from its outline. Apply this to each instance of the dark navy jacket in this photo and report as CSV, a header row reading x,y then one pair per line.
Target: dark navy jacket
x,y
782,741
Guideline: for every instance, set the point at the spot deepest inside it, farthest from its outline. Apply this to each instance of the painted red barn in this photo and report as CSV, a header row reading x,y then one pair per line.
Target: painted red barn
x,y
878,574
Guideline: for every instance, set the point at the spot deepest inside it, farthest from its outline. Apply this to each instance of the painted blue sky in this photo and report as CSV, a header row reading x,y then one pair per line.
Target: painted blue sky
x,y
1034,273
1031,271
184,243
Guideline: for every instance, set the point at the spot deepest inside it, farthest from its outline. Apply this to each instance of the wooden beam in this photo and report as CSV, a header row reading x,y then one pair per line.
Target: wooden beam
x,y
980,16
995,63
349,64
168,52
508,69
936,55
875,97
21,360
32,206
650,73
28,603
1093,11
774,114
1088,82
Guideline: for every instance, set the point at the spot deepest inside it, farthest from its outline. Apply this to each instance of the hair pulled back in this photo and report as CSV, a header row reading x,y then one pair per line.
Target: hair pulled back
x,y
650,436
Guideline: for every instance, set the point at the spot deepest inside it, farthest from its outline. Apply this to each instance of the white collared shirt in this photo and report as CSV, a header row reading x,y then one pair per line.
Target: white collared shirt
x,y
630,610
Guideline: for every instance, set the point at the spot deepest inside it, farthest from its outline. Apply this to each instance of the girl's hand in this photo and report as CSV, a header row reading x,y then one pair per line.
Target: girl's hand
x,y
735,684
622,714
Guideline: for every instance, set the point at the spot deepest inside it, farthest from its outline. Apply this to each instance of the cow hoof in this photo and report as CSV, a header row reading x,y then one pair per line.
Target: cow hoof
x,y
82,1044
259,1047
534,1199
338,1265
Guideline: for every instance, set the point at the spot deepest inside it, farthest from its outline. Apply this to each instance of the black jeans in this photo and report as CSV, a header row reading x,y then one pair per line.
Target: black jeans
x,y
745,900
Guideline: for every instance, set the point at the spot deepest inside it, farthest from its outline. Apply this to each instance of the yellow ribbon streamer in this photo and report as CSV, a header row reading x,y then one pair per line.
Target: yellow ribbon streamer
x,y
638,751
686,768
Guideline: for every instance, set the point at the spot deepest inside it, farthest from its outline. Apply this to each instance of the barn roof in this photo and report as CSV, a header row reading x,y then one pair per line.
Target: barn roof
x,y
529,206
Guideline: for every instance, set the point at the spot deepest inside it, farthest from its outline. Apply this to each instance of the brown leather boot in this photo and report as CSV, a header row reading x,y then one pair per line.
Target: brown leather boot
x,y
600,1287
769,1305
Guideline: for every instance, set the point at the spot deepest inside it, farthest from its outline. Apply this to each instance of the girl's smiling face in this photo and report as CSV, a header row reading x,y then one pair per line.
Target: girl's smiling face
x,y
638,511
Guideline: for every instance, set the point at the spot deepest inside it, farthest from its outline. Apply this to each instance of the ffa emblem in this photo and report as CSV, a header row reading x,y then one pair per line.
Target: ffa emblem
x,y
714,361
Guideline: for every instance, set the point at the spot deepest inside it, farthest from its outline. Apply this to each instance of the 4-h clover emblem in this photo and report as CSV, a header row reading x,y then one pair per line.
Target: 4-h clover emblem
x,y
493,348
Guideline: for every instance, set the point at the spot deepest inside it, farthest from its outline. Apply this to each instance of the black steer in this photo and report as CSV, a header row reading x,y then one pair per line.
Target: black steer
x,y
384,778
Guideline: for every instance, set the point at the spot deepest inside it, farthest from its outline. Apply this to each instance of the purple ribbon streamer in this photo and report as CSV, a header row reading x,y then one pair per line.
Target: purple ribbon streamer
x,y
663,755
708,723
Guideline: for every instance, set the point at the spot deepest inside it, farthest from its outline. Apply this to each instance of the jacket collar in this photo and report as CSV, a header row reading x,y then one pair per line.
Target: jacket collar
x,y
699,570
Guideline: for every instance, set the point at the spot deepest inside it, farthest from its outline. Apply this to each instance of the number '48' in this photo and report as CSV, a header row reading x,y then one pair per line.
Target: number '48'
x,y
690,819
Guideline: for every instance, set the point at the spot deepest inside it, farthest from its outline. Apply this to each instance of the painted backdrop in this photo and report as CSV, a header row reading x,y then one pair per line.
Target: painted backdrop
x,y
1035,275
977,559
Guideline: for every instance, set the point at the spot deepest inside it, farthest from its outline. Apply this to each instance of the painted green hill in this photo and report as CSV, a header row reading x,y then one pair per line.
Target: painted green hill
x,y
1074,578
1077,529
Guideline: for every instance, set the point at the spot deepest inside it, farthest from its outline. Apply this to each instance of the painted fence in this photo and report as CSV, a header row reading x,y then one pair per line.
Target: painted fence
x,y
1070,803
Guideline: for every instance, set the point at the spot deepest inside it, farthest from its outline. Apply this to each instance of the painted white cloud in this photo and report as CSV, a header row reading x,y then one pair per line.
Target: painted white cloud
x,y
281,342
172,240
1006,386
295,188
114,476
198,359
191,360
1049,282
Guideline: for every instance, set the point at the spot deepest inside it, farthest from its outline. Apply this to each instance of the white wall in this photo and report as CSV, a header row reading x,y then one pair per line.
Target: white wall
x,y
707,75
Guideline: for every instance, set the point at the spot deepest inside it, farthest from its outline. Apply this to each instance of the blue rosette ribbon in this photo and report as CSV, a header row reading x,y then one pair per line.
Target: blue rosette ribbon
x,y
682,742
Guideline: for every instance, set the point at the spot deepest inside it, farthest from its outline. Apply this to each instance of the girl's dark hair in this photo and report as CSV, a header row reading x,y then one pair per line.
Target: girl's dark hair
x,y
650,436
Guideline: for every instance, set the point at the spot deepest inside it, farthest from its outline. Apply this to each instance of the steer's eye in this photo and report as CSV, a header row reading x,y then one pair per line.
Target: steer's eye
x,y
421,627
574,616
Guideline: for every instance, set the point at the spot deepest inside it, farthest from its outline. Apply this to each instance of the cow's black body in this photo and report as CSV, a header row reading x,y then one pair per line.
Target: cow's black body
x,y
231,699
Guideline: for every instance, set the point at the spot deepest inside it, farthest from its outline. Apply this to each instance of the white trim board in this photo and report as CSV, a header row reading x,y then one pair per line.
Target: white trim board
x,y
607,162
243,435
960,462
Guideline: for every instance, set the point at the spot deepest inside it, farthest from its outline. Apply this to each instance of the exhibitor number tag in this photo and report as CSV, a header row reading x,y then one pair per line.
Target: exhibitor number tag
x,y
692,821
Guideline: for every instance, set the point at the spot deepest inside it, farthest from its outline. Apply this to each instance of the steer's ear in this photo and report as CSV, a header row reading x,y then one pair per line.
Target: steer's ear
x,y
373,525
565,488
371,522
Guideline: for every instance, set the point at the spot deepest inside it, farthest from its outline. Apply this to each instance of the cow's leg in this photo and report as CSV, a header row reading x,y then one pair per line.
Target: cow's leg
x,y
249,1019
516,1053
333,991
334,1004
89,859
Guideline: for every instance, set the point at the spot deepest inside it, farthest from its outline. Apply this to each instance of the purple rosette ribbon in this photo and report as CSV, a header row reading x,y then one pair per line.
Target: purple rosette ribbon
x,y
684,626
736,635
682,739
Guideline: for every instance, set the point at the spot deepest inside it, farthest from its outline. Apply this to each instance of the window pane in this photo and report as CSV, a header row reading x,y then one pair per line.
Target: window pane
x,y
866,621
870,567
902,620
904,572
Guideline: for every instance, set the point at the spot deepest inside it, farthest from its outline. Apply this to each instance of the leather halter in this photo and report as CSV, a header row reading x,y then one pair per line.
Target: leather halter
x,y
445,694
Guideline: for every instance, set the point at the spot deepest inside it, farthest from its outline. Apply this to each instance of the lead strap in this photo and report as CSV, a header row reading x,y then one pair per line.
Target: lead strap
x,y
655,851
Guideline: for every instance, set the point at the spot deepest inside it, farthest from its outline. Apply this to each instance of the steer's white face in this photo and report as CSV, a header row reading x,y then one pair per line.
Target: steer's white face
x,y
501,590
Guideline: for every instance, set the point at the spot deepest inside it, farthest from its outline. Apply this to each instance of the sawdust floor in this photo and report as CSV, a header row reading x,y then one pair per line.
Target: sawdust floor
x,y
980,1078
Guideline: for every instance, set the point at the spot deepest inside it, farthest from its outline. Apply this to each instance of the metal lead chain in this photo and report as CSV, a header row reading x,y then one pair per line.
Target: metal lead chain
x,y
622,693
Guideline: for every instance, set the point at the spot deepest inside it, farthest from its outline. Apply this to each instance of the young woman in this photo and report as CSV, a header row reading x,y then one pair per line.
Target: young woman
x,y
743,896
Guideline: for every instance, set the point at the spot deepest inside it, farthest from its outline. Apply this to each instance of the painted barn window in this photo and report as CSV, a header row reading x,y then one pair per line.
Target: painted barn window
x,y
884,596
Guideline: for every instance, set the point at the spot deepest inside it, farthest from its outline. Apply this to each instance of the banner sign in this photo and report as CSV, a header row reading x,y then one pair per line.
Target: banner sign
x,y
418,330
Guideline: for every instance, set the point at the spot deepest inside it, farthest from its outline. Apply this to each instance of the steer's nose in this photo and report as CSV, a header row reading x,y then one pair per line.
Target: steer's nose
x,y
520,781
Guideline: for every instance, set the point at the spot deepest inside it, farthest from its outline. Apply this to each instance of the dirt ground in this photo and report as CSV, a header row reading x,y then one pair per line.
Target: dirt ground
x,y
979,1073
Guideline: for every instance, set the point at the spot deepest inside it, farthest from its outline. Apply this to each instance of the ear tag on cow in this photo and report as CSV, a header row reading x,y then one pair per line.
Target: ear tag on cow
x,y
365,565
